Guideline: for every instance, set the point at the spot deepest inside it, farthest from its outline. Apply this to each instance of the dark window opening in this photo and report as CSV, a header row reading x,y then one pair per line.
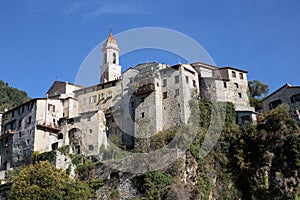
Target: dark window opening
x,y
233,74
54,146
225,84
143,114
240,95
114,58
91,147
187,79
60,136
274,104
29,119
236,85
295,98
165,95
241,76
194,83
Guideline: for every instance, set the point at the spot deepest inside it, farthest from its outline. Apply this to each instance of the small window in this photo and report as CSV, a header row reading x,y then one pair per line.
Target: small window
x,y
132,105
51,108
13,113
29,119
142,99
20,123
241,76
20,134
225,84
60,136
176,79
164,82
240,95
91,130
233,74
194,83
177,92
91,147
114,58
187,79
143,114
236,85
165,95
274,104
295,98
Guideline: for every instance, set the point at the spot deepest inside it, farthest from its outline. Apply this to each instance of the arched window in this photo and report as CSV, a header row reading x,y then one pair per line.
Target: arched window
x,y
114,58
60,136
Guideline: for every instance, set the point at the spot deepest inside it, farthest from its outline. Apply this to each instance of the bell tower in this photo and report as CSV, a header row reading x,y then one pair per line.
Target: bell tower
x,y
110,69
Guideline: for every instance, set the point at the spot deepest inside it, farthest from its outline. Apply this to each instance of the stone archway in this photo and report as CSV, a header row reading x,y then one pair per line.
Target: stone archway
x,y
75,140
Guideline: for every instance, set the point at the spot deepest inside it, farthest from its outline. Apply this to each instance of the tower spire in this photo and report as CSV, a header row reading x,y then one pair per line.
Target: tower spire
x,y
110,69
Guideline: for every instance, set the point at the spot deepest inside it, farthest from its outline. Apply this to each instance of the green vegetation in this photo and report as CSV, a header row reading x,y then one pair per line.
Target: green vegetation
x,y
257,90
154,185
43,181
11,97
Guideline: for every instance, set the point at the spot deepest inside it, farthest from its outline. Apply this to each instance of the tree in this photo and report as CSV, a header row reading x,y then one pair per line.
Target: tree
x,y
257,88
11,97
43,181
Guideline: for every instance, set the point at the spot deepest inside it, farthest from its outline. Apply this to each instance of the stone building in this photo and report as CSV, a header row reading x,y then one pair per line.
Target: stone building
x,y
142,101
287,94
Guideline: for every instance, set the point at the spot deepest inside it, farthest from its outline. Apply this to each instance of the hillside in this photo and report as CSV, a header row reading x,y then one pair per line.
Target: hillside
x,y
256,162
11,97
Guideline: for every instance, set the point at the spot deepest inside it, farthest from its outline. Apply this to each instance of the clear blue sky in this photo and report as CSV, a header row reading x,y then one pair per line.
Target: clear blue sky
x,y
45,40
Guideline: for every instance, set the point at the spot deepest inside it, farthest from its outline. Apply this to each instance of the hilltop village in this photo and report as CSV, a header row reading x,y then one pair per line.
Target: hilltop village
x,y
151,96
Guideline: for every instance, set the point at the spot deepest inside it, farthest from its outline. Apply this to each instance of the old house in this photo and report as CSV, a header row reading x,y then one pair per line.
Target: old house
x,y
287,94
136,104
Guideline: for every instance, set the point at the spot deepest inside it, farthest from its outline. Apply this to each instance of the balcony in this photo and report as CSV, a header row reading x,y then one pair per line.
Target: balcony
x,y
144,89
47,126
7,133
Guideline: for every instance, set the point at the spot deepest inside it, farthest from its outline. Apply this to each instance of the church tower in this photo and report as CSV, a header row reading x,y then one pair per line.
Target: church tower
x,y
110,69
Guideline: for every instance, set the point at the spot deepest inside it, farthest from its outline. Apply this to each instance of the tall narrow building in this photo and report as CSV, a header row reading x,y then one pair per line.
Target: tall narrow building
x,y
110,69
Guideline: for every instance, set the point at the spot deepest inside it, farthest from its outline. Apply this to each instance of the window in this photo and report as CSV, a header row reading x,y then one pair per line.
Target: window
x,y
60,136
176,79
143,114
13,113
236,85
20,134
241,76
233,74
295,98
164,82
51,108
20,123
29,119
54,146
91,130
274,104
132,105
142,99
187,79
114,58
225,84
91,147
240,95
165,95
194,83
